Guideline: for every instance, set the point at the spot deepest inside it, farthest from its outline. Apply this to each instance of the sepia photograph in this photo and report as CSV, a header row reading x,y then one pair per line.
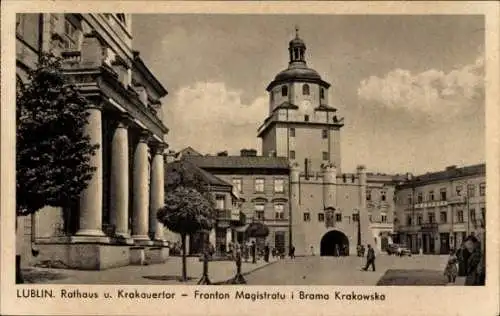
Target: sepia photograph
x,y
256,156
264,150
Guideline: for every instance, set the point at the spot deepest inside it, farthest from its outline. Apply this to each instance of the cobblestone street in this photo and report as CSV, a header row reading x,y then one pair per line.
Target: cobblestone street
x,y
390,270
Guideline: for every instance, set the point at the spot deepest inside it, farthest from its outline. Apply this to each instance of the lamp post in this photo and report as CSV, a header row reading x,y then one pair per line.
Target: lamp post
x,y
409,177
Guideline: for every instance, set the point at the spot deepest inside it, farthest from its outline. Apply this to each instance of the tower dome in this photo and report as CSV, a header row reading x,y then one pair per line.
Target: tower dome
x,y
297,67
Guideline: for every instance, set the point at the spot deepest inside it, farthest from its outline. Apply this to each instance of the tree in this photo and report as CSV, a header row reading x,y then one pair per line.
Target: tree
x,y
52,150
186,212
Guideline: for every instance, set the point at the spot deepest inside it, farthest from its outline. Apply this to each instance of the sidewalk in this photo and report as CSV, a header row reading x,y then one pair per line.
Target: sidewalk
x,y
166,273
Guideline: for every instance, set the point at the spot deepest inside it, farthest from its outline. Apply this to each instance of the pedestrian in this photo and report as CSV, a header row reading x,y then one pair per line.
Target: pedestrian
x,y
253,250
462,256
292,252
475,264
370,258
266,253
451,269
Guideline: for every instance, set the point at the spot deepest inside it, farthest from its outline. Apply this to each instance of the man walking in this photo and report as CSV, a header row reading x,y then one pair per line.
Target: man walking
x,y
292,252
253,250
370,258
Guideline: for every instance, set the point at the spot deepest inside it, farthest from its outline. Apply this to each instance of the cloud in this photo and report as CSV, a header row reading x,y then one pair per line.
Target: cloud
x,y
210,118
430,92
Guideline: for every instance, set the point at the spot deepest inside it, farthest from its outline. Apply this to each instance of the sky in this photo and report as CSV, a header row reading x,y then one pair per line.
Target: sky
x,y
410,88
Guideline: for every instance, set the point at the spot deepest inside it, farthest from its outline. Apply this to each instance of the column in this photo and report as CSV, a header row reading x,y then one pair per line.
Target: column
x,y
157,191
91,198
119,190
141,191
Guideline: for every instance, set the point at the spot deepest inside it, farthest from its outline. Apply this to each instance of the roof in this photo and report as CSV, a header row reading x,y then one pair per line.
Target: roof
x,y
205,176
449,173
239,162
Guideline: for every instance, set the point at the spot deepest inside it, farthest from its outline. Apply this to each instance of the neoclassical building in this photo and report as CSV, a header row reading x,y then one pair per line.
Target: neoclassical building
x,y
114,222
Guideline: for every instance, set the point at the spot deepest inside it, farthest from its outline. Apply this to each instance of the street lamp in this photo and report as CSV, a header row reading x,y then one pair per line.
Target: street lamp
x,y
410,178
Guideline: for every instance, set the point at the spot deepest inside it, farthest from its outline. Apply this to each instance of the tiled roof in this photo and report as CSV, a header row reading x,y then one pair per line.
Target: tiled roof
x,y
239,162
207,177
448,174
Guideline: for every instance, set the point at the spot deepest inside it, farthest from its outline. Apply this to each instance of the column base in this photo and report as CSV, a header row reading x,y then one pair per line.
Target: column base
x,y
160,243
77,239
124,238
142,240
90,232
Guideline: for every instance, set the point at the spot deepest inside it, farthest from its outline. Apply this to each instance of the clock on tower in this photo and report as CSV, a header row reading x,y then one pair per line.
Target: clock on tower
x,y
306,106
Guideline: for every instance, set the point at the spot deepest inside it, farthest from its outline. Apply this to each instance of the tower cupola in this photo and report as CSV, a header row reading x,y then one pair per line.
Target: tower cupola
x,y
297,49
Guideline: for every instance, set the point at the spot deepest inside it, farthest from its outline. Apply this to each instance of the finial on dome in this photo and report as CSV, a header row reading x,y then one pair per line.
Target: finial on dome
x,y
297,31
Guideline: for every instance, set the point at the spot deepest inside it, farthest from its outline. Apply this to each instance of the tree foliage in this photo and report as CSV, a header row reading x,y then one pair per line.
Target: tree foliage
x,y
52,150
186,211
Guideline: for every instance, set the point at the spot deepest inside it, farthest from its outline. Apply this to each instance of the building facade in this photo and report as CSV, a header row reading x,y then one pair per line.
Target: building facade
x,y
115,221
227,207
436,211
262,184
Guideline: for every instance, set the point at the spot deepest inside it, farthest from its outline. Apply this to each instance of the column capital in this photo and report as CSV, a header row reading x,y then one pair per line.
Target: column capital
x,y
123,120
144,136
158,148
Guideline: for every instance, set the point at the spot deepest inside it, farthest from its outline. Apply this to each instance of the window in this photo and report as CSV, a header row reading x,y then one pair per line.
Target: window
x,y
324,133
443,217
472,215
431,217
383,195
408,220
321,217
420,197
420,219
322,93
383,218
220,202
284,91
482,189
442,194
338,217
471,190
459,189
292,154
70,35
368,195
278,185
237,184
259,211
305,89
27,28
279,211
460,216
355,217
483,214
410,199
325,155
306,118
431,195
307,217
344,178
259,185
292,132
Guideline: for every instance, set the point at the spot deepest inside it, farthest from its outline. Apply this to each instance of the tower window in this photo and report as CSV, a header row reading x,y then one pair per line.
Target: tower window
x,y
306,118
271,96
305,89
338,217
292,154
322,93
324,134
325,155
292,132
284,91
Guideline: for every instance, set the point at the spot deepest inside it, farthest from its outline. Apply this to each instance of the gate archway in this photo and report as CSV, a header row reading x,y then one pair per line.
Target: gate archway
x,y
334,243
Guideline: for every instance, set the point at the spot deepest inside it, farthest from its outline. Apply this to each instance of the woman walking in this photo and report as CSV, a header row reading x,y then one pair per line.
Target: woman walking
x,y
451,269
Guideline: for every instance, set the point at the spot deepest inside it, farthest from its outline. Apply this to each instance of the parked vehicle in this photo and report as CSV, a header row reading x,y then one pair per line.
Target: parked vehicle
x,y
398,250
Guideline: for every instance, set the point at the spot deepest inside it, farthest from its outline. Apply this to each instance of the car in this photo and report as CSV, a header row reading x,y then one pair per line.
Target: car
x,y
398,250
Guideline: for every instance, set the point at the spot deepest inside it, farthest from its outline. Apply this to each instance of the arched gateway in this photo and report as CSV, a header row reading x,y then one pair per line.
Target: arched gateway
x,y
334,243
